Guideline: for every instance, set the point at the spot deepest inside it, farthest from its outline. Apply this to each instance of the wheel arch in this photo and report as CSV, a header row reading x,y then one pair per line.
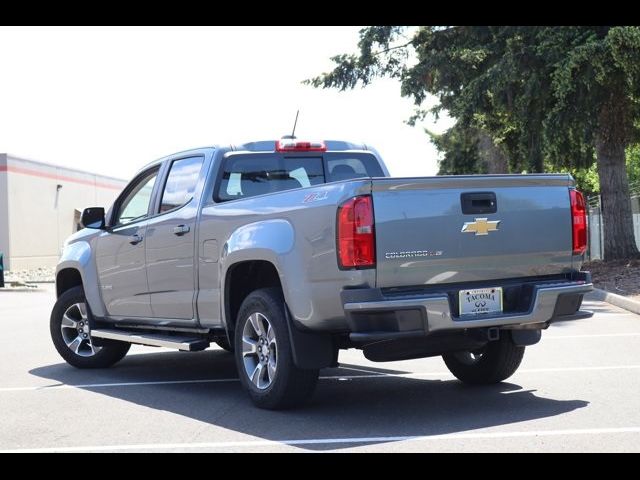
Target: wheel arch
x,y
66,279
241,279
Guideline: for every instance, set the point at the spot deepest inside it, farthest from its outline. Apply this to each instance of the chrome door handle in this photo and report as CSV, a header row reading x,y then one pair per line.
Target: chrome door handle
x,y
181,229
135,239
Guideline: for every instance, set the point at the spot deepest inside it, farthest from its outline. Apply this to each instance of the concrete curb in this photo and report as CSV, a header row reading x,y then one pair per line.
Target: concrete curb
x,y
20,289
26,282
632,306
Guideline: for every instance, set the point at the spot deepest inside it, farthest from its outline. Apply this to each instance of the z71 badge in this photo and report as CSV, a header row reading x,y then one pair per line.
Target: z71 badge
x,y
316,196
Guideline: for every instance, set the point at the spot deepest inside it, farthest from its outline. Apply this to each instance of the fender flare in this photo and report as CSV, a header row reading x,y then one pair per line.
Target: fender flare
x,y
77,256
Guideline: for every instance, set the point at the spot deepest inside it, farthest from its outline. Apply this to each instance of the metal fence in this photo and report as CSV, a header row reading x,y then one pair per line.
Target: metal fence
x,y
596,230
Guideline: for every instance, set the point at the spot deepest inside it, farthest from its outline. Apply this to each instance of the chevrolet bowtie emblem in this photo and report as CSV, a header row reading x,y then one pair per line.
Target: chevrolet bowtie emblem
x,y
481,226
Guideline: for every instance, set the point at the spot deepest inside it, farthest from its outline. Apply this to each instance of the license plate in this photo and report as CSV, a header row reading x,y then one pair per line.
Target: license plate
x,y
480,301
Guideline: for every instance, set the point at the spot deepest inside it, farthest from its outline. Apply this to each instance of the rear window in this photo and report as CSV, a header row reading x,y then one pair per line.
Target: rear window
x,y
249,175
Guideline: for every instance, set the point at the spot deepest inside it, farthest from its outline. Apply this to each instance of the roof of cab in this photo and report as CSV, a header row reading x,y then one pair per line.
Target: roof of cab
x,y
191,151
269,146
261,146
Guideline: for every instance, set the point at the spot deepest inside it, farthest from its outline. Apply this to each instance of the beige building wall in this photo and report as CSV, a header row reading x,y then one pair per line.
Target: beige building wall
x,y
4,211
43,205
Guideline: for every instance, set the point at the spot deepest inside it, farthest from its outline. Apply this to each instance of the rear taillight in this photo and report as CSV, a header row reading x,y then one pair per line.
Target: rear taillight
x,y
356,236
579,222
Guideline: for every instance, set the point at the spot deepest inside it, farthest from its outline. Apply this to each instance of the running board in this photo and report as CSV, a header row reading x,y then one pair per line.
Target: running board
x,y
187,343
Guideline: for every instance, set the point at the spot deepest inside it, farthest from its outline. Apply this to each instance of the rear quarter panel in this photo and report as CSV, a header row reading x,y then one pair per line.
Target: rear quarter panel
x,y
295,231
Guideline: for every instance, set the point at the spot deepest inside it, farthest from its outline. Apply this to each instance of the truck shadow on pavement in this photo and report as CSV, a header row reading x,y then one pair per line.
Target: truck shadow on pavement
x,y
343,406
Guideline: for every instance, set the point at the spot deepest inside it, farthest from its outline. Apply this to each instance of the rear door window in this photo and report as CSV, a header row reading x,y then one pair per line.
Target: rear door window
x,y
181,183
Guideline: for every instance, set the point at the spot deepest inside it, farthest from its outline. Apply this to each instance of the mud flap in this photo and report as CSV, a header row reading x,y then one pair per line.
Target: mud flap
x,y
523,338
310,350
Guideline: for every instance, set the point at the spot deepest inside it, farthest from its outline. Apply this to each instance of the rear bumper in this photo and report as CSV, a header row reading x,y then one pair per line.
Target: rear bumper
x,y
372,317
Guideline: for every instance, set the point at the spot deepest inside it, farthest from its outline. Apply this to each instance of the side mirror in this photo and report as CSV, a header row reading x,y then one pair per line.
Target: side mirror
x,y
93,218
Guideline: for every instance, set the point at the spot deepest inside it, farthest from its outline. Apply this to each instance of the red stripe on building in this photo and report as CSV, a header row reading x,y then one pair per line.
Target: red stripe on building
x,y
63,178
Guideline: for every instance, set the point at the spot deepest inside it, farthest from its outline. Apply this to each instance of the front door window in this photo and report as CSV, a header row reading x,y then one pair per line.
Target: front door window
x,y
136,204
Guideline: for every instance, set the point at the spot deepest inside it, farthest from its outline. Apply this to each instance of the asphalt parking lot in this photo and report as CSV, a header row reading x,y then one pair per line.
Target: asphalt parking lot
x,y
576,391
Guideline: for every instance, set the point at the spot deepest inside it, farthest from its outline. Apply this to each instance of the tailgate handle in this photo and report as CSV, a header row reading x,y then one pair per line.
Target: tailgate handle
x,y
478,202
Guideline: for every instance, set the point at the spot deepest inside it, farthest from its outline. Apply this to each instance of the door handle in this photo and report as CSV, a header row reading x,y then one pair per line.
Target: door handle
x,y
181,229
135,239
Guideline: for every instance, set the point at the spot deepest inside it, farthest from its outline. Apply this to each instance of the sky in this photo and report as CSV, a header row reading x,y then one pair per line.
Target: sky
x,y
111,99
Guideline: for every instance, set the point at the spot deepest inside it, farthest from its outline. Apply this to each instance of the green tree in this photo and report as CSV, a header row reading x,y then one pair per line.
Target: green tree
x,y
459,147
633,164
468,150
587,178
555,95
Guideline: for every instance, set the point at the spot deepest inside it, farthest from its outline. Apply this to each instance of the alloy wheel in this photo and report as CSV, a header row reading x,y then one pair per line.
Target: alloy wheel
x,y
259,351
76,332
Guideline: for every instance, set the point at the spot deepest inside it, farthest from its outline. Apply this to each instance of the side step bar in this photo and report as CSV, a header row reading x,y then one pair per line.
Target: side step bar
x,y
183,342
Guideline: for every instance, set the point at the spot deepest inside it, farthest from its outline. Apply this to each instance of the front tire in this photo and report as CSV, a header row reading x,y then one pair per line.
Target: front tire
x,y
495,362
264,354
223,343
71,334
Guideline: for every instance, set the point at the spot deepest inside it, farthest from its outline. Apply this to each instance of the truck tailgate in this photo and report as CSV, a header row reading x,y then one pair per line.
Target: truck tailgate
x,y
421,237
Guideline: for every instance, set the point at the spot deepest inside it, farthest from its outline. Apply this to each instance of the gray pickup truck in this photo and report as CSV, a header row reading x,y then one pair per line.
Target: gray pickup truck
x,y
285,252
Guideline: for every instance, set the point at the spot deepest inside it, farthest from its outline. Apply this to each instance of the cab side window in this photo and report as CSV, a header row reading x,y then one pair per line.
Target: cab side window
x,y
181,183
135,204
346,169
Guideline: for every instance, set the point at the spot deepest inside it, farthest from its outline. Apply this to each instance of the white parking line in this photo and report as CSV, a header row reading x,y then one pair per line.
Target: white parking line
x,y
448,374
334,441
611,312
578,369
374,374
363,370
595,335
58,386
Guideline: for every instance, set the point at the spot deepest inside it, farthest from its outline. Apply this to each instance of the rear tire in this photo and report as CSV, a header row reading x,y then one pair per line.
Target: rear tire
x,y
495,362
71,334
264,355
